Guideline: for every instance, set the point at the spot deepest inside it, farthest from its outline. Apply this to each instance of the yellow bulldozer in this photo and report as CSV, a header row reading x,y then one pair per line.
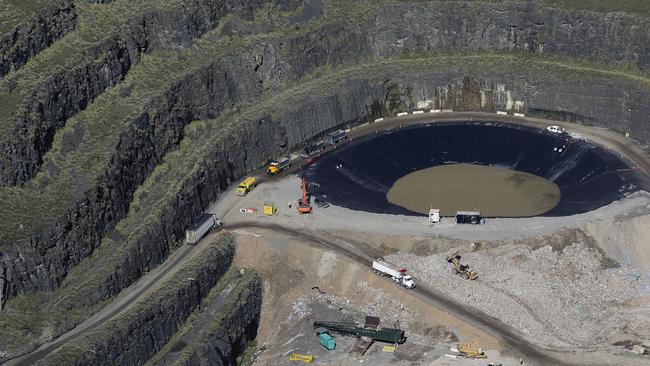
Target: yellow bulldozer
x,y
471,350
461,269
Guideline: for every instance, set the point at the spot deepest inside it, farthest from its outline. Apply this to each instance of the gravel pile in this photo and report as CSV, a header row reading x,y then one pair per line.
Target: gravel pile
x,y
561,298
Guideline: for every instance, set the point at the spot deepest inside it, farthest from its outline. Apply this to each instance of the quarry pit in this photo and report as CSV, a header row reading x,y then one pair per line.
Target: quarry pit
x,y
129,127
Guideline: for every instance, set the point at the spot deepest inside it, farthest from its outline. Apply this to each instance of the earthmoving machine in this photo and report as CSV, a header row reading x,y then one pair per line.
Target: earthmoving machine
x,y
246,186
461,269
471,350
304,207
278,166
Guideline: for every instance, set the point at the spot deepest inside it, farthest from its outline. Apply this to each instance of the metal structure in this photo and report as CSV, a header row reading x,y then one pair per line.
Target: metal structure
x,y
304,207
389,335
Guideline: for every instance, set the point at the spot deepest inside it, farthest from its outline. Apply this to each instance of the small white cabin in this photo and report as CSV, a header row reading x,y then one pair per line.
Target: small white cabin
x,y
434,215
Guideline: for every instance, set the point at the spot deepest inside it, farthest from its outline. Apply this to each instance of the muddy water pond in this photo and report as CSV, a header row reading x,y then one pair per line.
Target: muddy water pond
x,y
495,191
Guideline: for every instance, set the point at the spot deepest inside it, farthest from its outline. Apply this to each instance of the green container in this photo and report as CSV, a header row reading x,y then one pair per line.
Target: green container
x,y
327,341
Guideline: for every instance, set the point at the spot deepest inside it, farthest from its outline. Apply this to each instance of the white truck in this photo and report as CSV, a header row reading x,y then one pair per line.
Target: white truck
x,y
200,227
398,276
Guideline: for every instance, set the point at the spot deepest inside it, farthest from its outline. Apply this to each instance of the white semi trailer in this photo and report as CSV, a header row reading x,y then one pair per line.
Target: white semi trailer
x,y
200,227
398,276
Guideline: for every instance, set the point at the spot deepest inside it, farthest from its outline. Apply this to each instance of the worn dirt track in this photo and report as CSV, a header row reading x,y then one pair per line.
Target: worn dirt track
x,y
514,342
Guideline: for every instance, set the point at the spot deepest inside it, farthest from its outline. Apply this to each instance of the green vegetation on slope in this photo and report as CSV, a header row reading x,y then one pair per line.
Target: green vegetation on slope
x,y
68,173
15,12
167,302
191,321
637,7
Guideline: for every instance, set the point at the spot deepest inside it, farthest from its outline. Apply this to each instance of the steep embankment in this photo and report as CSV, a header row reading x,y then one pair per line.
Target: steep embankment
x,y
222,330
137,334
110,39
98,168
27,28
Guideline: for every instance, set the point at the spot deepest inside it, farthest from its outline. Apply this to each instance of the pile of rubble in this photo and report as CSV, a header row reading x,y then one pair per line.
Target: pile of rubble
x,y
391,311
564,297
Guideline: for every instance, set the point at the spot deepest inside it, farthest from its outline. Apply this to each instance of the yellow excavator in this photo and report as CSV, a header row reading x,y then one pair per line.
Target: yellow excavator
x,y
461,269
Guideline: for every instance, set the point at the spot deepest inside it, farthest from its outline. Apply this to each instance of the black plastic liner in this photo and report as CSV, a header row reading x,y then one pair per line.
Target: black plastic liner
x,y
358,175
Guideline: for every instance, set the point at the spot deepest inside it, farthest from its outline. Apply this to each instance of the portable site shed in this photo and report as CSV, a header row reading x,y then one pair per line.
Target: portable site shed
x,y
468,217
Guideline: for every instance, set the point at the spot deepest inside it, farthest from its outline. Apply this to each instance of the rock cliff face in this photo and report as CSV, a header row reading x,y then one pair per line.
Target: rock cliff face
x,y
136,335
42,261
525,26
46,108
234,329
34,35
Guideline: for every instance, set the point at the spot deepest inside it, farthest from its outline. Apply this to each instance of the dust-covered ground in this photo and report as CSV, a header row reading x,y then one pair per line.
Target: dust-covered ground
x,y
578,282
303,284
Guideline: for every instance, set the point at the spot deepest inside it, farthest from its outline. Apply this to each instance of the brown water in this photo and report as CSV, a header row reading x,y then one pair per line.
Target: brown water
x,y
492,190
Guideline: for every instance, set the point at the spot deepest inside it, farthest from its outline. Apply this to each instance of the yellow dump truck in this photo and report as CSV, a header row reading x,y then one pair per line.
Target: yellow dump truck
x,y
276,167
246,186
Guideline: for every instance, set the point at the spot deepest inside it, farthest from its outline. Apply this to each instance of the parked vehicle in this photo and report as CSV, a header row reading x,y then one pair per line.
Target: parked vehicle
x,y
312,149
278,166
321,203
469,217
336,137
246,186
398,276
555,129
201,227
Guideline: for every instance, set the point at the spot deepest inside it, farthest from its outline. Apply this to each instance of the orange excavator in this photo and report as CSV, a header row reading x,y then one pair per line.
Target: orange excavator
x,y
304,207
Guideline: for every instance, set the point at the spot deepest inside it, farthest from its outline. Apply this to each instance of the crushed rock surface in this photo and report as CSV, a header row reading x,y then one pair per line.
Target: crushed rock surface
x,y
564,297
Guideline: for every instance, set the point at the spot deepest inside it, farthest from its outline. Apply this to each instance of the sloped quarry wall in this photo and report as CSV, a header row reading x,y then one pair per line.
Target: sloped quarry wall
x,y
45,109
136,335
421,27
569,94
231,333
32,36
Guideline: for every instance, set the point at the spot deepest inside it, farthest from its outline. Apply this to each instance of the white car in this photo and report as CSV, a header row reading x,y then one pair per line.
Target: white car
x,y
555,129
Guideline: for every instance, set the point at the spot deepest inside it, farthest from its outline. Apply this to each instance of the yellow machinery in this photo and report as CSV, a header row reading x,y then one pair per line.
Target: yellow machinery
x,y
276,167
246,186
269,208
471,350
461,269
303,358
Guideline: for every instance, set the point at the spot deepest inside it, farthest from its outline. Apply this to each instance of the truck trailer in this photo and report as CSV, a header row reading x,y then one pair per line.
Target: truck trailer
x,y
398,276
201,227
335,137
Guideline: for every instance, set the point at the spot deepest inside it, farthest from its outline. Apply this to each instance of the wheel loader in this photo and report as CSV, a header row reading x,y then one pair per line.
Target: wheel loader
x,y
461,269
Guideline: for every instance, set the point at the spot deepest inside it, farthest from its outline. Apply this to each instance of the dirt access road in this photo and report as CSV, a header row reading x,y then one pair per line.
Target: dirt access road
x,y
536,354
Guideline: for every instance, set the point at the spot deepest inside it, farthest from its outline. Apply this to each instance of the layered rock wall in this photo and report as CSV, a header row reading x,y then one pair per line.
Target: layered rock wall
x,y
35,34
134,336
